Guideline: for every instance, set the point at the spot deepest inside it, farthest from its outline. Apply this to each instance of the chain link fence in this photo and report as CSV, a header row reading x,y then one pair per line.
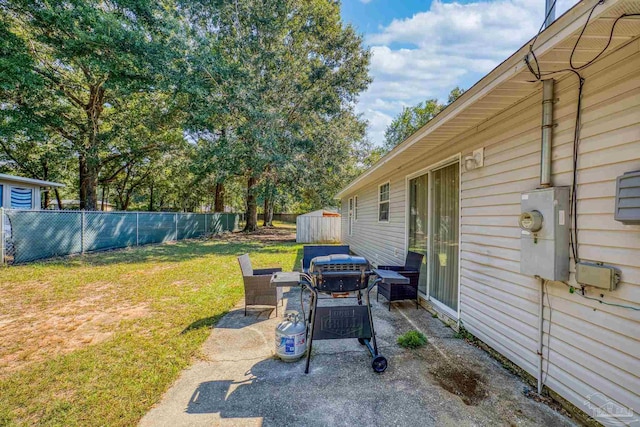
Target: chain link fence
x,y
27,235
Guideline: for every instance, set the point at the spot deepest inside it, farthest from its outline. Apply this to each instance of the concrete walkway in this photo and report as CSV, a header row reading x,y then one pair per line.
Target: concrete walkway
x,y
446,383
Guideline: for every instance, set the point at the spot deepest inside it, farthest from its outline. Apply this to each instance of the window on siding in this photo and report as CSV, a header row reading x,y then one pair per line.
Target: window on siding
x,y
355,208
383,202
1,194
350,217
21,198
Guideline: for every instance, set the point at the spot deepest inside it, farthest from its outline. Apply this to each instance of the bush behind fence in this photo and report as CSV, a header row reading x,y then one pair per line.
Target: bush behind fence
x,y
33,235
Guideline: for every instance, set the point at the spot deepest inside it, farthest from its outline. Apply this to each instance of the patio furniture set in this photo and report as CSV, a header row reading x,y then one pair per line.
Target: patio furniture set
x,y
333,272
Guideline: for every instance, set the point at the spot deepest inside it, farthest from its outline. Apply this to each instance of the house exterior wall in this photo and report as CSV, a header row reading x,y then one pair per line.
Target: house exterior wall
x,y
588,347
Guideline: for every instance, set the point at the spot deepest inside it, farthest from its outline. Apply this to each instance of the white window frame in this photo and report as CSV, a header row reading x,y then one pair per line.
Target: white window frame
x,y
381,202
355,208
350,216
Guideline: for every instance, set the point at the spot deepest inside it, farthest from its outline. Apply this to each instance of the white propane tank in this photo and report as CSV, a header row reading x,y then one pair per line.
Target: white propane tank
x,y
291,337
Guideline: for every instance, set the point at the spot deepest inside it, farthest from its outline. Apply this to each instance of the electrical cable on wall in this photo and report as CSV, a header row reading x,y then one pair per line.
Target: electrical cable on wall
x,y
573,289
534,67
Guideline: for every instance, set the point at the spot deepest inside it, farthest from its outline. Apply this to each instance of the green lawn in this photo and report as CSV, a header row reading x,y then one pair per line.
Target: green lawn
x,y
96,340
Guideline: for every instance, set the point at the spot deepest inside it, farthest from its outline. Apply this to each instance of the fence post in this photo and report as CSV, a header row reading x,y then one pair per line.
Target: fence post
x,y
205,223
176,221
2,236
137,228
82,231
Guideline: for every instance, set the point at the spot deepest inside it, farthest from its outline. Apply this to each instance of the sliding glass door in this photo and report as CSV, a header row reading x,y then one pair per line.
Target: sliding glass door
x,y
445,217
419,224
434,215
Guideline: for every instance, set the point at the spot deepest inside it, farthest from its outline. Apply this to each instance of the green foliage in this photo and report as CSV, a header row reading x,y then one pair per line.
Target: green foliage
x,y
412,340
462,333
413,118
455,94
156,102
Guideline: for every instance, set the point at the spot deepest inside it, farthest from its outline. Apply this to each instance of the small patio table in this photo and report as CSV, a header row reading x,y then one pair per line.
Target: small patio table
x,y
391,277
285,279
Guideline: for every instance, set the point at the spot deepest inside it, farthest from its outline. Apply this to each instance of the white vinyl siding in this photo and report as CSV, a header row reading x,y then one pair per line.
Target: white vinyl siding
x,y
588,347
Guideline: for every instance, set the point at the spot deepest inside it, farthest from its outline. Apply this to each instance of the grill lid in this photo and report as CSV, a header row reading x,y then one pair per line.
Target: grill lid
x,y
338,262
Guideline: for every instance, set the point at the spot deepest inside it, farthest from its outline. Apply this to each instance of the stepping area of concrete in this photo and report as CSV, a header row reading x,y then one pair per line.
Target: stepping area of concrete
x,y
448,382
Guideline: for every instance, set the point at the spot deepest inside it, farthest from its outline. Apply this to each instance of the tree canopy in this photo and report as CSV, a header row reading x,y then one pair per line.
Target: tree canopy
x,y
205,104
413,118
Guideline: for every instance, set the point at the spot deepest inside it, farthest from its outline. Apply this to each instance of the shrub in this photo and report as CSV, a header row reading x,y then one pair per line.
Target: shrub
x,y
412,339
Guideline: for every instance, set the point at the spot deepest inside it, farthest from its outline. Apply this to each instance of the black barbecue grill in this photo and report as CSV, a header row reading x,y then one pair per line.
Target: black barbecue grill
x,y
340,274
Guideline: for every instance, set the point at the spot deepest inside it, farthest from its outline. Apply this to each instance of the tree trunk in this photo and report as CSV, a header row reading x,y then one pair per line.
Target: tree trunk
x,y
151,198
102,201
88,169
252,206
47,199
268,211
219,200
58,199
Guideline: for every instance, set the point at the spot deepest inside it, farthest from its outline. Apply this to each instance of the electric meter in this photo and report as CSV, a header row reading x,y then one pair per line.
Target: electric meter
x,y
530,221
544,239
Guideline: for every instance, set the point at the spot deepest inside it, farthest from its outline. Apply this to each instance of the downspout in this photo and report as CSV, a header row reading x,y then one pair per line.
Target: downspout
x,y
545,182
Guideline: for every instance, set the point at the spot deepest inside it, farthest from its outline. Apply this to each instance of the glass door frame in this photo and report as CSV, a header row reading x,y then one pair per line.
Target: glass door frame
x,y
439,165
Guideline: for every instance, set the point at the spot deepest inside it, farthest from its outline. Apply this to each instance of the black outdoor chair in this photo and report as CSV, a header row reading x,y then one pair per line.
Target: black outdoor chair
x,y
309,252
410,270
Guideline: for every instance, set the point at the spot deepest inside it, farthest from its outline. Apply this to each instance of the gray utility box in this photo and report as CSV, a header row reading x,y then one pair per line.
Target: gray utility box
x,y
628,198
544,245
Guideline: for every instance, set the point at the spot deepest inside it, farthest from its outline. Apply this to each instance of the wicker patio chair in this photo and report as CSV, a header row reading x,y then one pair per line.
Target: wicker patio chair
x,y
257,286
411,270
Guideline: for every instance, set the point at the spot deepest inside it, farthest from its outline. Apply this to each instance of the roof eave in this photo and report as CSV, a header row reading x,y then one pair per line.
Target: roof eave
x,y
551,36
23,180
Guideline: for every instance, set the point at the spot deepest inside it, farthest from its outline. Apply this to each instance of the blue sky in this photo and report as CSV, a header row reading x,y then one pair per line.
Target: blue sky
x,y
422,48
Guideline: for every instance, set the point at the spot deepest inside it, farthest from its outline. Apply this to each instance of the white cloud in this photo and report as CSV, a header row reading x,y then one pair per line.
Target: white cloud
x,y
365,1
451,44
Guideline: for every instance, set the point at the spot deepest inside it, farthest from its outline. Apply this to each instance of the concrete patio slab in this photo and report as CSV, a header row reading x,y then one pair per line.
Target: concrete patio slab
x,y
446,383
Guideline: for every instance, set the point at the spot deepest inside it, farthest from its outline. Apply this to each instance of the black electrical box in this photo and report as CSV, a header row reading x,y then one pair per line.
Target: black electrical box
x,y
628,198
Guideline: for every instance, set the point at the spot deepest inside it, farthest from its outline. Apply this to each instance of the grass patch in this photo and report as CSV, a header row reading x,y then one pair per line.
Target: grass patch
x,y
97,340
412,340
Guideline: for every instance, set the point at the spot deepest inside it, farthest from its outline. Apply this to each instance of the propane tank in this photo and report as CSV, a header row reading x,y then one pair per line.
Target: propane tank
x,y
291,337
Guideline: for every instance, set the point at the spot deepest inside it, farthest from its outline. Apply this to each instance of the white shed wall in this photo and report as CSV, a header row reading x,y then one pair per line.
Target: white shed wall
x,y
589,347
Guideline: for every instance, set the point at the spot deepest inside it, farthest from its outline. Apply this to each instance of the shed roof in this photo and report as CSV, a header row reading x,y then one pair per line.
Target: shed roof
x,y
321,212
511,81
31,181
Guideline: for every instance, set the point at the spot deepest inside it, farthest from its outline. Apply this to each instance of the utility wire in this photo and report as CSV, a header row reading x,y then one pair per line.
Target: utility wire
x,y
533,65
572,290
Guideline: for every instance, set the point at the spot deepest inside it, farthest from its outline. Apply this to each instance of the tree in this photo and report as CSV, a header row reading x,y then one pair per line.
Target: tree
x,y
291,64
85,58
454,94
410,120
413,118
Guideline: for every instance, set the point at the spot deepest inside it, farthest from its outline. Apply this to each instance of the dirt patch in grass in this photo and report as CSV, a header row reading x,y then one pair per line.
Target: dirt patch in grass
x,y
263,235
36,334
465,383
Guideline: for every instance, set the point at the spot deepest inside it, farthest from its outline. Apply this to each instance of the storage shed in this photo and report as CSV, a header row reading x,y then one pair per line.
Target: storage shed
x,y
17,192
465,188
321,226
